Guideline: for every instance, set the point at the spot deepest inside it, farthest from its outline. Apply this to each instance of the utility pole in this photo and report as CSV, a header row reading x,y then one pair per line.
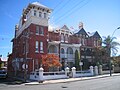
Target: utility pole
x,y
109,48
25,59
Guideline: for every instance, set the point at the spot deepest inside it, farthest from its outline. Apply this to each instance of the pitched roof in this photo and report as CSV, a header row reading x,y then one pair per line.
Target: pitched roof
x,y
81,31
65,28
94,34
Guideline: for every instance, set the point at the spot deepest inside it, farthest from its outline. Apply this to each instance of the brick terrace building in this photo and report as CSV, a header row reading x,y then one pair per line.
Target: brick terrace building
x,y
34,37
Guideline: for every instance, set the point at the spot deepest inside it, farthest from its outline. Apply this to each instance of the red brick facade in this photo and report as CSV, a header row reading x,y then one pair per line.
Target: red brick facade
x,y
24,44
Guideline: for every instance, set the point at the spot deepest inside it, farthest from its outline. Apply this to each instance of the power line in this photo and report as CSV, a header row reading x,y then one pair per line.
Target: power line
x,y
70,8
58,4
69,13
61,7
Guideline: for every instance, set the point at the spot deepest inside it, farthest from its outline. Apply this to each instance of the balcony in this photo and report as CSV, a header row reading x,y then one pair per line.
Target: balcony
x,y
67,56
57,54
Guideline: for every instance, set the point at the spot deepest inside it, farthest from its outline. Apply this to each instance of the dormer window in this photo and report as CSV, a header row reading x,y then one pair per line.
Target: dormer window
x,y
35,12
45,15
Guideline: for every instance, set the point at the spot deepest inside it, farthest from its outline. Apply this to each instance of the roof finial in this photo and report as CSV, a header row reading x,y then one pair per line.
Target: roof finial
x,y
80,25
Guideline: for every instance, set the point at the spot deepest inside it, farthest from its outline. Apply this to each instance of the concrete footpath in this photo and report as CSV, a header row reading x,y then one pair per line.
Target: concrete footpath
x,y
70,79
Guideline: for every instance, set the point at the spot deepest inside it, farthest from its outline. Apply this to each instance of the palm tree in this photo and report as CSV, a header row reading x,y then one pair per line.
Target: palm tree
x,y
110,45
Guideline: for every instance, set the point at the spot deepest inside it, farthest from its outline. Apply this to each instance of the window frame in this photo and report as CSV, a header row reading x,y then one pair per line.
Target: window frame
x,y
35,13
37,30
41,31
36,46
41,47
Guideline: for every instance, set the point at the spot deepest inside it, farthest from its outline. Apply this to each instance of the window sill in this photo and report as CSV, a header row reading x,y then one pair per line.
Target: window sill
x,y
41,52
36,52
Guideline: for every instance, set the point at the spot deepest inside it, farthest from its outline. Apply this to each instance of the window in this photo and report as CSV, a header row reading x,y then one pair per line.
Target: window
x,y
66,38
37,30
45,16
83,42
62,38
69,50
62,51
41,31
97,43
35,12
52,49
36,46
40,14
41,46
94,43
36,64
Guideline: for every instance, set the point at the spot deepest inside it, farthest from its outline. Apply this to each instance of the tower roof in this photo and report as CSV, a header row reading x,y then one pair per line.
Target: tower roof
x,y
65,28
37,5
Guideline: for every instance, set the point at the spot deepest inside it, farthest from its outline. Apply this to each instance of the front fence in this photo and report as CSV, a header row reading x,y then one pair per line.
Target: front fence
x,y
40,75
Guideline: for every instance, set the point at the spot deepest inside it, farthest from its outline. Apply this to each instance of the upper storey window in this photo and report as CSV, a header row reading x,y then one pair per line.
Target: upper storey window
x,y
36,47
45,15
83,41
37,30
35,13
40,14
41,30
62,38
66,38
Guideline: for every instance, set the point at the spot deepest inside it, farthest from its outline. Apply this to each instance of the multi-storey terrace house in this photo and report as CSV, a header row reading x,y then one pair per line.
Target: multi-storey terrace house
x,y
34,38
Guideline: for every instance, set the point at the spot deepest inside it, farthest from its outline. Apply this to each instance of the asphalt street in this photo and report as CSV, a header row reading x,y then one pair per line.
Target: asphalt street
x,y
107,83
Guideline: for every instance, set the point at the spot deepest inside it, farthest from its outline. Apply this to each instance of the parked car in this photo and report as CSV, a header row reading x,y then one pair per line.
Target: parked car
x,y
3,73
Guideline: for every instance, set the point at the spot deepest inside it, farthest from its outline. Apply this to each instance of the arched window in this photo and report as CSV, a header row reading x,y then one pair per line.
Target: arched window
x,y
62,51
69,50
52,49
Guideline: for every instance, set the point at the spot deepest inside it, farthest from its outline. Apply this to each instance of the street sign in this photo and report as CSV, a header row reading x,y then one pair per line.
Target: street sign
x,y
80,63
23,66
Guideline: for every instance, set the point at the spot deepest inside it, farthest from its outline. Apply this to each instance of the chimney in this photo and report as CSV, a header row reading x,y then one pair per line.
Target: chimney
x,y
80,25
16,29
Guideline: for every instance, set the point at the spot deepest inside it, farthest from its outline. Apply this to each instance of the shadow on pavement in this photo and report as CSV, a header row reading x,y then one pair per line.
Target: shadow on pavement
x,y
10,81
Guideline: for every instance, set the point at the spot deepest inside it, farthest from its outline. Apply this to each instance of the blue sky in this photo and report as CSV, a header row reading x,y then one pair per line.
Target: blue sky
x,y
97,15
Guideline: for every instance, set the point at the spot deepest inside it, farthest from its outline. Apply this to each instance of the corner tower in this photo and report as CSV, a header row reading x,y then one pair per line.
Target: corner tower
x,y
30,41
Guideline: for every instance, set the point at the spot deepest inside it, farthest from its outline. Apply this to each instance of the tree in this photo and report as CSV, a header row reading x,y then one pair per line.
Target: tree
x,y
77,60
116,61
110,45
99,54
50,61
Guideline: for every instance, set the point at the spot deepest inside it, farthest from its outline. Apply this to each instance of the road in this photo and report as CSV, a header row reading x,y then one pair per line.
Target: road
x,y
108,83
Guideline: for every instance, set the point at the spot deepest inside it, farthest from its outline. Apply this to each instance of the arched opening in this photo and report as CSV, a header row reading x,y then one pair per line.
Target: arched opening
x,y
52,49
69,50
62,51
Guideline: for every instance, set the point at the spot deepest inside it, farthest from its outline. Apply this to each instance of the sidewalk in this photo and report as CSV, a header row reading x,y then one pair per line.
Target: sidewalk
x,y
71,79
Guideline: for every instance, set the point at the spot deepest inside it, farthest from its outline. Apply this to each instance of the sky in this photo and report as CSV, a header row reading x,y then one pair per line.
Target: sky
x,y
97,15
